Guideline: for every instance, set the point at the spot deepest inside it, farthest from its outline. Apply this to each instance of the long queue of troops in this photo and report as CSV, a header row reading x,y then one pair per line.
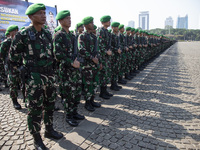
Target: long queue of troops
x,y
79,62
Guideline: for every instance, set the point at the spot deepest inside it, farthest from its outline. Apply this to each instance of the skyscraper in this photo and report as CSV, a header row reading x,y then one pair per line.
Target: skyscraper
x,y
182,22
169,22
131,24
144,20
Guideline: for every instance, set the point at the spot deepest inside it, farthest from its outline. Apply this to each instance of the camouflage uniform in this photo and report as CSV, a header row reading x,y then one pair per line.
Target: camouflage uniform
x,y
90,81
70,77
104,45
128,54
115,58
36,49
13,75
123,55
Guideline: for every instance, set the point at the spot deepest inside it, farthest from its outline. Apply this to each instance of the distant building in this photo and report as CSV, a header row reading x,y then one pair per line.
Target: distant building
x,y
169,22
182,22
144,20
131,24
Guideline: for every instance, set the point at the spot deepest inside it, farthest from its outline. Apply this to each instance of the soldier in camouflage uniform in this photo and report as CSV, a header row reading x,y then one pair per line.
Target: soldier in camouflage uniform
x,y
128,53
123,54
88,48
116,49
13,75
79,28
65,50
35,45
104,39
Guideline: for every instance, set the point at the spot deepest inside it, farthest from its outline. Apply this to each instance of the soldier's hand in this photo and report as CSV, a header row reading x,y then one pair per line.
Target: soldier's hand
x,y
76,63
140,45
109,52
135,45
126,48
119,51
101,66
95,60
130,46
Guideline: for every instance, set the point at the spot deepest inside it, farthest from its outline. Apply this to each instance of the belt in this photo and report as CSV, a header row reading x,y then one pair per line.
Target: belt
x,y
42,70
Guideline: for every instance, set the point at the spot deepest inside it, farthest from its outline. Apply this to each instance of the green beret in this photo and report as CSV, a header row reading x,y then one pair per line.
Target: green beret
x,y
140,31
34,8
128,28
105,18
22,28
110,30
87,20
46,26
136,30
132,29
11,28
120,26
95,27
6,33
79,24
62,14
115,24
72,31
57,29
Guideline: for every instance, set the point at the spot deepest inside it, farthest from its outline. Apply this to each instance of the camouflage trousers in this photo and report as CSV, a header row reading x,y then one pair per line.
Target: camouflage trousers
x,y
103,76
115,67
71,89
40,96
132,63
3,76
122,64
90,81
128,61
109,68
13,82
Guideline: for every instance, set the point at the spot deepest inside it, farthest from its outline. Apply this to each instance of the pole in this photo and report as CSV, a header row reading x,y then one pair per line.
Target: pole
x,y
56,14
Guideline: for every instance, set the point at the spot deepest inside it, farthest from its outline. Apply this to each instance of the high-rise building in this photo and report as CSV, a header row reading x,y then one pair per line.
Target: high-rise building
x,y
131,24
144,20
169,22
182,22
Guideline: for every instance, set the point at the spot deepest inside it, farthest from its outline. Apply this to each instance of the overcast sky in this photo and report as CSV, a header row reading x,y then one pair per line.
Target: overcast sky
x,y
126,10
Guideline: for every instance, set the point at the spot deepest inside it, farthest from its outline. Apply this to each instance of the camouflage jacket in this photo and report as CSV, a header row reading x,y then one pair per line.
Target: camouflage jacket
x,y
64,47
104,41
128,39
115,43
123,41
4,49
36,48
86,46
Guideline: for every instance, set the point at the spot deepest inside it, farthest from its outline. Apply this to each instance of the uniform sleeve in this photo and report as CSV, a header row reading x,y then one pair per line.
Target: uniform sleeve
x,y
60,50
85,54
102,45
17,47
4,49
114,44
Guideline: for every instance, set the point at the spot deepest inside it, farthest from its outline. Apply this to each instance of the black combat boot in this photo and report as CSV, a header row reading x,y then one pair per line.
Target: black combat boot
x,y
103,93
89,106
77,116
38,143
121,81
114,87
107,93
93,103
119,87
51,133
132,73
127,76
16,104
71,121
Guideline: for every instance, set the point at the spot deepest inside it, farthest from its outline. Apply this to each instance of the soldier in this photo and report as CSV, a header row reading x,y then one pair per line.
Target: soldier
x,y
35,45
79,28
13,75
104,38
116,49
128,53
123,55
87,45
65,50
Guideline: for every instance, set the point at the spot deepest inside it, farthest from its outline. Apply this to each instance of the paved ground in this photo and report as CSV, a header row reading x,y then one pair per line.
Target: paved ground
x,y
158,109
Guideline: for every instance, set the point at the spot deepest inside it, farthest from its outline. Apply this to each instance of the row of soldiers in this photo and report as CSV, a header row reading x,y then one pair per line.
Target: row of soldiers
x,y
79,61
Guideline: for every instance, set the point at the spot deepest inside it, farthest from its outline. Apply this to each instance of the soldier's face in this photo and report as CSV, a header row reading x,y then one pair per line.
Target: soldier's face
x,y
81,29
90,26
66,21
107,24
39,17
12,33
128,32
121,30
115,29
